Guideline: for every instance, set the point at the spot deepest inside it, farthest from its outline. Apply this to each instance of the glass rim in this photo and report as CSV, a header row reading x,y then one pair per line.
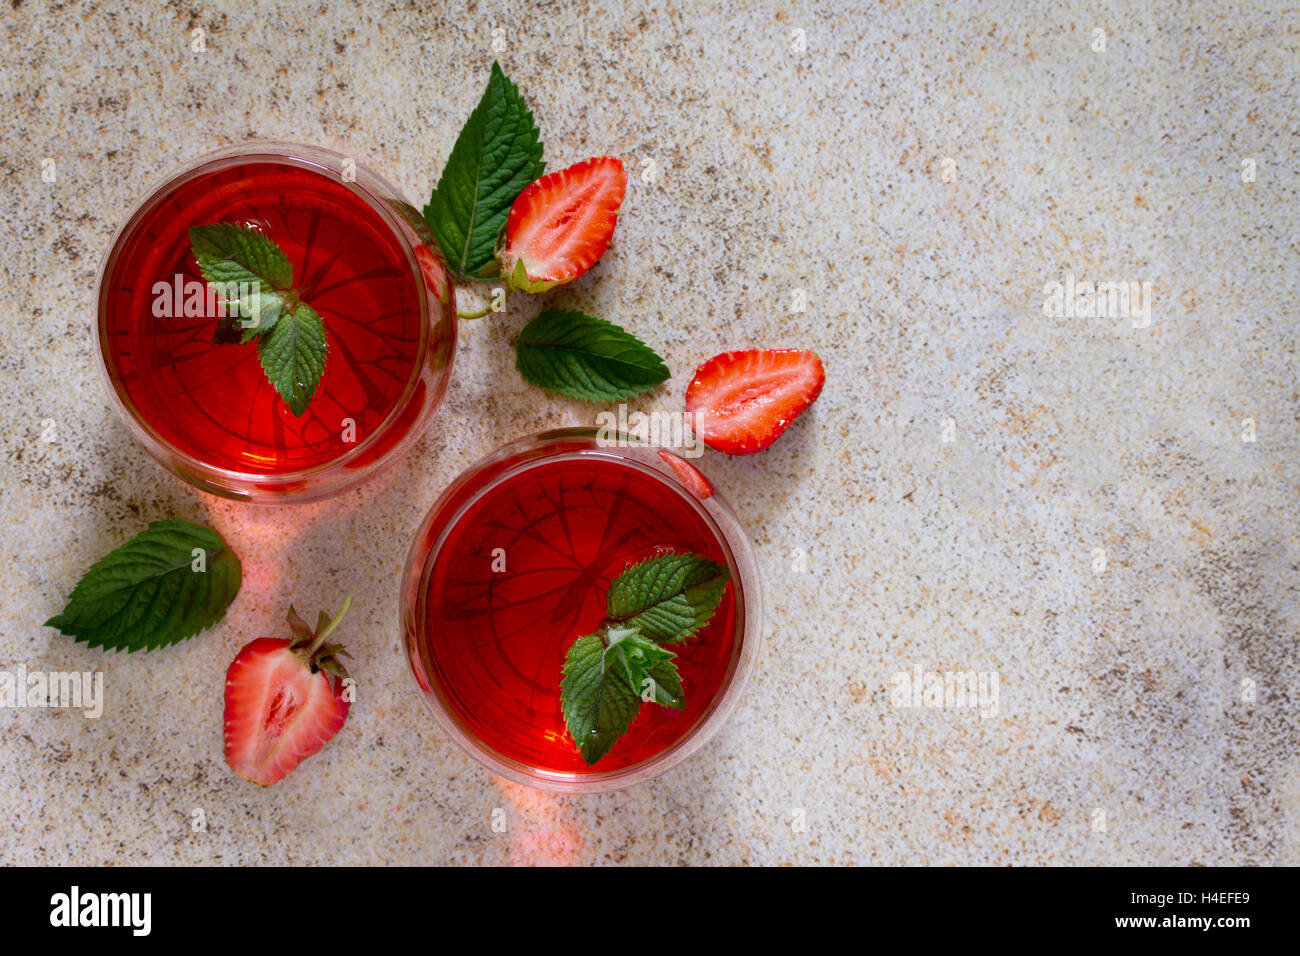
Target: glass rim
x,y
722,521
286,153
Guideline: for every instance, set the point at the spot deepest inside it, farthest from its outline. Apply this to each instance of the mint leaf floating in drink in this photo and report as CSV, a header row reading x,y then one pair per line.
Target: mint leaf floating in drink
x,y
166,584
597,699
255,279
496,155
668,597
608,674
584,357
293,355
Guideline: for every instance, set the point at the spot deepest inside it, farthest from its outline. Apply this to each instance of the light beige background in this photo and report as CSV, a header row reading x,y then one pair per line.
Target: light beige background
x,y
778,168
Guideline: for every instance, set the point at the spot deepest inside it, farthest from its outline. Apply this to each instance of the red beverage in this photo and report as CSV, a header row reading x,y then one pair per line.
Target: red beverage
x,y
488,644
360,257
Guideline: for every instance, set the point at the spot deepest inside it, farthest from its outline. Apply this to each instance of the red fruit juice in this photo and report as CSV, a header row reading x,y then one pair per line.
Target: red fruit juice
x,y
214,403
497,639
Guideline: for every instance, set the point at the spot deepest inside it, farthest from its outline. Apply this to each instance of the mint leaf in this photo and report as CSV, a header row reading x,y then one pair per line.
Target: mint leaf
x,y
229,331
667,597
646,666
667,686
293,356
229,253
497,154
147,593
250,272
597,701
584,357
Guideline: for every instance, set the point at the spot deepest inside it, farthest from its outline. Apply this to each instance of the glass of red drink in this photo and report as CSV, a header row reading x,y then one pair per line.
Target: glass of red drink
x,y
511,566
361,256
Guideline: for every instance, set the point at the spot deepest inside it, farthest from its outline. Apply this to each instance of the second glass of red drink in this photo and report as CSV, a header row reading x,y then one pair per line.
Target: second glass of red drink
x,y
513,564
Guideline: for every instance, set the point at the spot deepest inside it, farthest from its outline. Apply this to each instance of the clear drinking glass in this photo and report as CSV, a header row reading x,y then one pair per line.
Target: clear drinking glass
x,y
511,565
362,257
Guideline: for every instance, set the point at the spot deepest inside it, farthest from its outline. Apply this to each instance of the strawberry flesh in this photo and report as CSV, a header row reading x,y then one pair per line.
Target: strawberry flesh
x,y
742,401
278,712
562,224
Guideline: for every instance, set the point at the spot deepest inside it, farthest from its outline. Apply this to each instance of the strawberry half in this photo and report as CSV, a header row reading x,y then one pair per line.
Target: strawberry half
x,y
281,706
743,401
560,225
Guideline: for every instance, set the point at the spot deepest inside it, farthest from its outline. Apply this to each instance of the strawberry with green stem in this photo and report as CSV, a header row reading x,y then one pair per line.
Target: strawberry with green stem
x,y
561,225
285,699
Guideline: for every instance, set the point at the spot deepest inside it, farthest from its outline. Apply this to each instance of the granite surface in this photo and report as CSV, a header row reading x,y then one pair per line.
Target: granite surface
x,y
1075,506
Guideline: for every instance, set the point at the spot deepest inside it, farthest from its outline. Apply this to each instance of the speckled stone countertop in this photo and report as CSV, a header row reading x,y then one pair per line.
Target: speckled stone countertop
x,y
1073,505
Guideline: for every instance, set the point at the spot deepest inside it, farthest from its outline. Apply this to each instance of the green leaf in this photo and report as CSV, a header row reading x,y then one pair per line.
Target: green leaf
x,y
229,331
149,593
263,313
646,666
293,356
250,271
668,597
597,701
584,357
667,687
497,154
229,253
608,674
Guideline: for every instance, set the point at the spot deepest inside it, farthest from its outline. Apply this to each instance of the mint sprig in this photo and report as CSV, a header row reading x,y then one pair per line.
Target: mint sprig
x,y
166,584
227,252
609,673
581,356
255,274
496,155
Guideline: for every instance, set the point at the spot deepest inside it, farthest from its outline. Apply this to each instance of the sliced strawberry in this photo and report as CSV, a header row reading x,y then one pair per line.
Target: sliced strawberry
x,y
281,706
743,401
560,225
690,476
